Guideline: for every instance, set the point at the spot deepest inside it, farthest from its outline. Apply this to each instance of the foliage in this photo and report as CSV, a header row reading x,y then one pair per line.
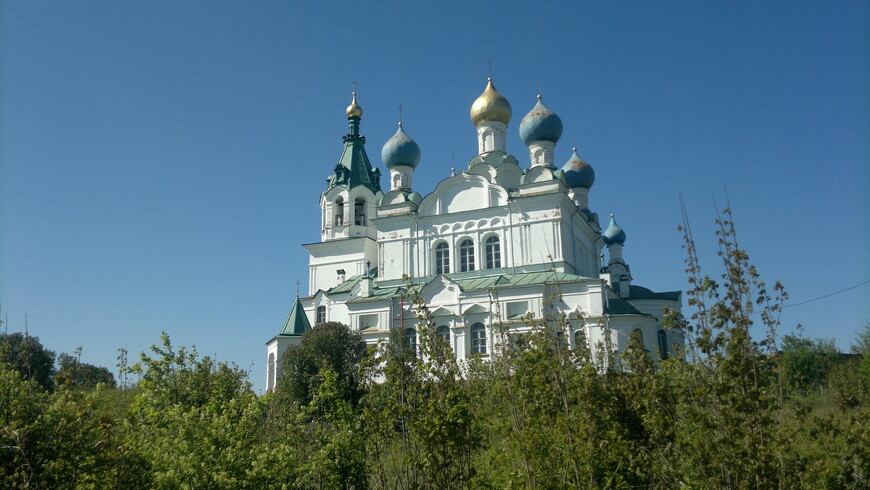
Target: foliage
x,y
76,373
26,355
806,363
729,411
330,344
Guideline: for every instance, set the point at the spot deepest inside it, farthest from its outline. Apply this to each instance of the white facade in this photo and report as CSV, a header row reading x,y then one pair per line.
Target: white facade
x,y
488,246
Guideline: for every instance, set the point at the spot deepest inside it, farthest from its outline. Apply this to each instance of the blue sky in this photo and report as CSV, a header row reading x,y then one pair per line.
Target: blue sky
x,y
161,162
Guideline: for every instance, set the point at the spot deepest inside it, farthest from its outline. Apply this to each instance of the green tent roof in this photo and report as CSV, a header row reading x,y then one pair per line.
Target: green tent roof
x,y
353,168
297,322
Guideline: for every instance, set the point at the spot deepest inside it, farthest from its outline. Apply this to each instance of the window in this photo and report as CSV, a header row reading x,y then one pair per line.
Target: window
x,y
560,340
270,377
442,258
443,334
493,252
321,314
478,339
663,344
442,340
359,211
410,339
580,339
339,212
466,256
636,337
517,309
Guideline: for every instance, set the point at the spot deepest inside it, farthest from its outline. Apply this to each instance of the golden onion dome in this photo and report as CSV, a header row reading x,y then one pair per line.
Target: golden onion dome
x,y
490,106
354,110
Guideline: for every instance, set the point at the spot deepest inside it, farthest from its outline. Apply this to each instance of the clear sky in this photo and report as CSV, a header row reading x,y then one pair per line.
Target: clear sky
x,y
161,162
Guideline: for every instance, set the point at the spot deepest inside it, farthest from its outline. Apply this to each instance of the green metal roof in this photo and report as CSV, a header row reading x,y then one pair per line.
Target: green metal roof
x,y
297,321
622,307
347,286
353,168
519,280
640,292
473,284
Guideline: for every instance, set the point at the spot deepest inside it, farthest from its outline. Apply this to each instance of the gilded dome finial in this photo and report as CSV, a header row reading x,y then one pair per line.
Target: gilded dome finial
x,y
354,110
490,106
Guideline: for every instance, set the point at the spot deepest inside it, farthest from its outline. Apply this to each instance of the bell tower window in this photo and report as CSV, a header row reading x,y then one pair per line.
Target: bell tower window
x,y
359,211
339,212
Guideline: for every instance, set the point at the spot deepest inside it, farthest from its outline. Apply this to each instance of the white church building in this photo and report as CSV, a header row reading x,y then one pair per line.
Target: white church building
x,y
488,247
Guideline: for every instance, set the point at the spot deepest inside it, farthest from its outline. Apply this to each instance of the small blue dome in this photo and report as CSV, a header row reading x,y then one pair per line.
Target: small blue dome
x,y
578,173
540,124
400,150
613,235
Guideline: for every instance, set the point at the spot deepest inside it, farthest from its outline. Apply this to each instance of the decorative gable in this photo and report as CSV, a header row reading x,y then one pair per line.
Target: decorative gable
x,y
441,290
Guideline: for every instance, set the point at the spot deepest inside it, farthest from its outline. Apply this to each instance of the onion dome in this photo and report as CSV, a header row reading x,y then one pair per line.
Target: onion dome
x,y
577,172
354,110
490,106
400,150
540,124
613,235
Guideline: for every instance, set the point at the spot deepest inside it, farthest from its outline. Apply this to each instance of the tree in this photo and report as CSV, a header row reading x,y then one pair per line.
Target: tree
x,y
331,345
805,363
26,355
862,347
76,373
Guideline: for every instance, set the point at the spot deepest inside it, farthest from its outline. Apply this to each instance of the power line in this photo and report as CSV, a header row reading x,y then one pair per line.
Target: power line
x,y
827,295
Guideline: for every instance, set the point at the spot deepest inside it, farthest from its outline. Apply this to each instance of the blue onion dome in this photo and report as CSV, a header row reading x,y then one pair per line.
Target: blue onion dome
x,y
490,106
577,172
354,110
540,124
400,150
613,235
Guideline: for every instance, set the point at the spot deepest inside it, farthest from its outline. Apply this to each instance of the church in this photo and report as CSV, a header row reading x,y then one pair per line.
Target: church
x,y
489,248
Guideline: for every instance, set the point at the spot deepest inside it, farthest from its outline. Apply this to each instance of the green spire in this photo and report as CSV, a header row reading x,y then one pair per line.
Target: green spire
x,y
353,167
297,322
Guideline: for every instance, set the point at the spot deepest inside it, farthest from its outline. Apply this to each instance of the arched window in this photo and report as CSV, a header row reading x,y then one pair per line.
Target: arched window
x,y
410,339
489,141
466,255
493,252
580,339
637,336
560,340
478,339
442,258
663,344
442,340
359,211
397,181
270,375
339,211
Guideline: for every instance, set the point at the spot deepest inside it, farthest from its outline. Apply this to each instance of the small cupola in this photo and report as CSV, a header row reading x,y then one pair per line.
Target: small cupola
x,y
577,172
490,113
540,130
540,124
490,106
613,235
401,155
354,110
400,150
